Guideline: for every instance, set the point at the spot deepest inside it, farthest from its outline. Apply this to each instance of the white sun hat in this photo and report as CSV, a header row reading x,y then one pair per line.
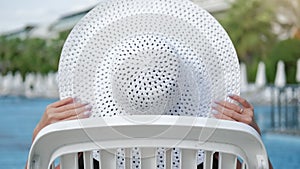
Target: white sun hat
x,y
148,57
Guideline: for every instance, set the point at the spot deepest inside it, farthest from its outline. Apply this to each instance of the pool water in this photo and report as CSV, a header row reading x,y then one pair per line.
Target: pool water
x,y
18,119
283,150
20,115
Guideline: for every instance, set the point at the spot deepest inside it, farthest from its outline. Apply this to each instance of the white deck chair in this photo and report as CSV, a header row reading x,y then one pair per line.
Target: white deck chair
x,y
64,140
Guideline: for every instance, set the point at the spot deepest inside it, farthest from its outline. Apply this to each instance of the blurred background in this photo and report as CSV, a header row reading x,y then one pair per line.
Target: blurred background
x,y
265,33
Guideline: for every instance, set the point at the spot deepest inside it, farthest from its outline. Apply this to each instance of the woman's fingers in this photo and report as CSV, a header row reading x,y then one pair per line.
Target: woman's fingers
x,y
61,102
62,110
66,109
241,100
76,111
231,116
70,106
242,113
231,111
82,115
230,106
223,116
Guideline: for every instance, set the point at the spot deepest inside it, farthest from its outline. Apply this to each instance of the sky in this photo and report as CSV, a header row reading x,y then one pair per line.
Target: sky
x,y
16,14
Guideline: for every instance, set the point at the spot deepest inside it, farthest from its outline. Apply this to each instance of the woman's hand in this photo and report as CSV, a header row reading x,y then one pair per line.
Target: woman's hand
x,y
244,112
66,109
62,110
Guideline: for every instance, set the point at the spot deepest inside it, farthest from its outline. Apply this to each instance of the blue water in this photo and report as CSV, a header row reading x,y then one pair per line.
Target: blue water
x,y
19,117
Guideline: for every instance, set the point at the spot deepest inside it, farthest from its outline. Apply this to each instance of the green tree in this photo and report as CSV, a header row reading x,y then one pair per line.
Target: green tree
x,y
30,54
287,51
249,25
9,50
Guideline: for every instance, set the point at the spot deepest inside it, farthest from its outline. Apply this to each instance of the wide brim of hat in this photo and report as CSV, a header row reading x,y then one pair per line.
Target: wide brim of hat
x,y
209,64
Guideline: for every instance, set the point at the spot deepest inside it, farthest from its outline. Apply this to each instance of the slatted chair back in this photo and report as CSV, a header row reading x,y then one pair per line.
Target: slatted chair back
x,y
64,140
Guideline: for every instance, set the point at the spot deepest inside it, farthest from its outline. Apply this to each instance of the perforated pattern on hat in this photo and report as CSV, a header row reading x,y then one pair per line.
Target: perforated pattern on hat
x,y
148,57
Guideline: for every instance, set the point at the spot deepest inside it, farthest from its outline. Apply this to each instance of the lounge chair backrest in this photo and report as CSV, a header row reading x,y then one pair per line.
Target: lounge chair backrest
x,y
64,140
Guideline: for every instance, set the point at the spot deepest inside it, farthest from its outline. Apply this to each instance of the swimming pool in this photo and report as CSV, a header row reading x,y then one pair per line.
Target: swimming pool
x,y
20,115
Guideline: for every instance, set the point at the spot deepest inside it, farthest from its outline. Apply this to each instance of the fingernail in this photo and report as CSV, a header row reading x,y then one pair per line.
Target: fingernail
x,y
85,103
77,100
214,107
87,113
214,112
217,102
231,95
215,116
211,115
88,107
